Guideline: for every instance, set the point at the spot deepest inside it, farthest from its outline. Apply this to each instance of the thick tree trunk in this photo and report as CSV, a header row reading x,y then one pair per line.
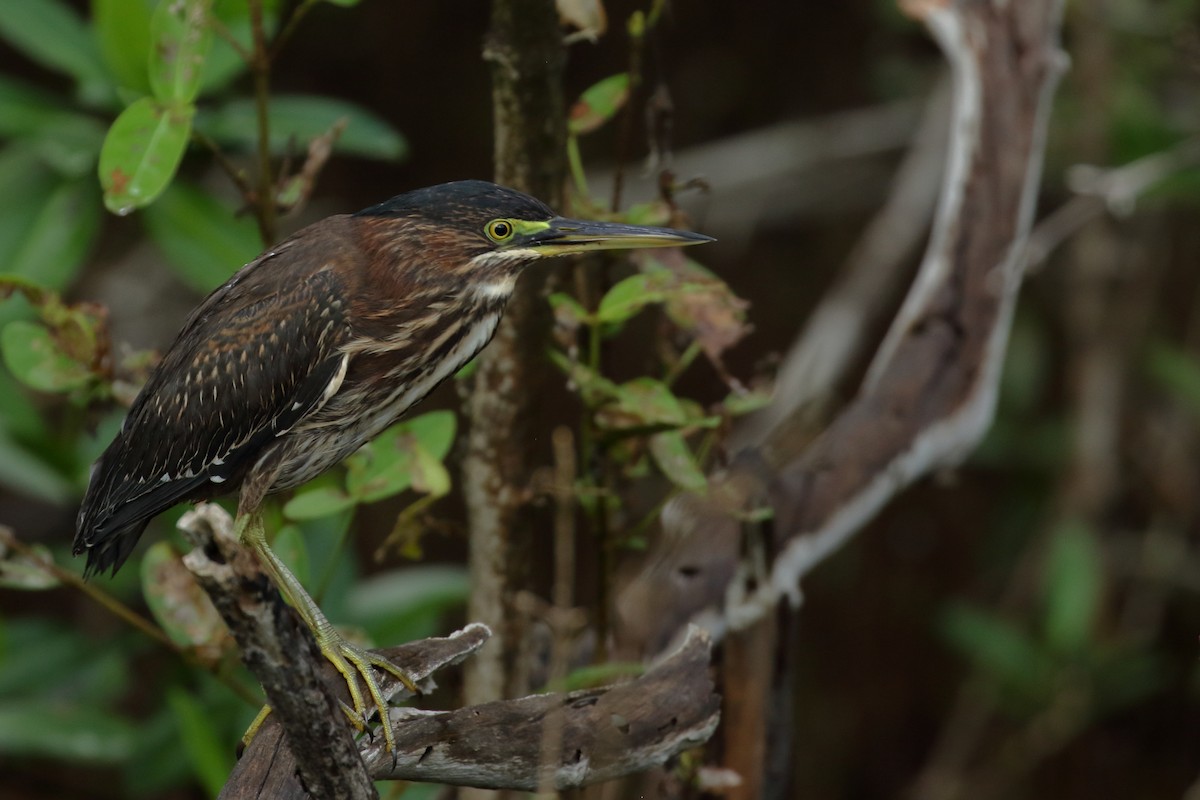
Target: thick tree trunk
x,y
525,50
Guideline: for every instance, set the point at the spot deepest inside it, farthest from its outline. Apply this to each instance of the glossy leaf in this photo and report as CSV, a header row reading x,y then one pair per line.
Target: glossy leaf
x,y
141,153
52,34
123,32
36,358
598,104
297,119
322,501
673,456
1074,574
180,37
389,464
629,296
202,239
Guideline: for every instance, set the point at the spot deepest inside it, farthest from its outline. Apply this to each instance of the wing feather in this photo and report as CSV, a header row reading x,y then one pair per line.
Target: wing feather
x,y
258,356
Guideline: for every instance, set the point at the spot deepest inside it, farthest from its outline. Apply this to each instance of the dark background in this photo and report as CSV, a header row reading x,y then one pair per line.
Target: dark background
x,y
879,683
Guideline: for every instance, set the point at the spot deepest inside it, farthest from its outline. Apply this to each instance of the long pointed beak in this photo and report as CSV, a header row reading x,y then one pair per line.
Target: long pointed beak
x,y
575,236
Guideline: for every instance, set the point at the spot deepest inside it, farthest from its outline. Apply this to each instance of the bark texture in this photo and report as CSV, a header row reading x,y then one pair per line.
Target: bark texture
x,y
525,51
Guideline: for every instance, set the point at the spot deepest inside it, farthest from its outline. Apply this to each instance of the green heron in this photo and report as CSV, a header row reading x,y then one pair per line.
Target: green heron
x,y
312,349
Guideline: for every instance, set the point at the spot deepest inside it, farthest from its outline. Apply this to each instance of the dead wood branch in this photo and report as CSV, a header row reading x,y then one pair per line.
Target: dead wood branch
x,y
281,652
929,395
604,733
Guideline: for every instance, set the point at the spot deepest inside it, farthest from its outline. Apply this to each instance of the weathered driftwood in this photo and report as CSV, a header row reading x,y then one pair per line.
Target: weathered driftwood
x,y
301,749
929,395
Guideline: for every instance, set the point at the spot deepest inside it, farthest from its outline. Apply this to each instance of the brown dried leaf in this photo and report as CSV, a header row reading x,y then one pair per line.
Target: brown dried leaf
x,y
708,309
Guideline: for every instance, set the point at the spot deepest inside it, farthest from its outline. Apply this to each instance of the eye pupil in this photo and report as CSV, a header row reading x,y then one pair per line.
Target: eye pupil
x,y
501,229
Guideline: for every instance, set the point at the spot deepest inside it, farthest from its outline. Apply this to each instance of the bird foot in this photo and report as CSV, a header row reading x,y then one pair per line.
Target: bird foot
x,y
356,663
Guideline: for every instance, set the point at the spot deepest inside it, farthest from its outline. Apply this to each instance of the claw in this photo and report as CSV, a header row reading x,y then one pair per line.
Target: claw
x,y
353,663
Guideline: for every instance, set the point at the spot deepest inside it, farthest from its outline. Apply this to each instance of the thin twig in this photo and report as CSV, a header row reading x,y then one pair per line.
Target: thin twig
x,y
126,614
260,66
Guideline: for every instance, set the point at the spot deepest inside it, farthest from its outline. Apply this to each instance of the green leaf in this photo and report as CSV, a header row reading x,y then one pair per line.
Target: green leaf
x,y
738,403
999,649
141,153
290,547
52,34
598,104
58,239
407,604
630,296
322,501
595,675
594,387
25,186
643,402
23,471
210,757
180,40
70,143
46,729
32,354
434,430
389,464
1073,577
226,62
123,32
568,313
200,236
297,119
673,456
25,109
1176,371
429,474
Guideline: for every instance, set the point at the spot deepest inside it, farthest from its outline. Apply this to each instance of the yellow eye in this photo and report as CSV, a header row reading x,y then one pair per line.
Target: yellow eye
x,y
500,230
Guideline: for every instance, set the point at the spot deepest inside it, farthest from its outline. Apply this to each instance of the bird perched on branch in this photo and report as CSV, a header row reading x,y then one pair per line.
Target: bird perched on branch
x,y
312,349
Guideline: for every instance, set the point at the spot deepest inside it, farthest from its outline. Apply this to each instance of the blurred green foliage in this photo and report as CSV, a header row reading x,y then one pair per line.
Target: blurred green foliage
x,y
140,73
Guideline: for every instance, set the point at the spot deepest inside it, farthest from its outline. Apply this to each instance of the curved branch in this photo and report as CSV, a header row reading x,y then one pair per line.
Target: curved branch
x,y
929,395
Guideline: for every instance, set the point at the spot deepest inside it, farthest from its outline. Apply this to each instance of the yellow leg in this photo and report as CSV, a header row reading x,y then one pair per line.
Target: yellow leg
x,y
350,660
252,731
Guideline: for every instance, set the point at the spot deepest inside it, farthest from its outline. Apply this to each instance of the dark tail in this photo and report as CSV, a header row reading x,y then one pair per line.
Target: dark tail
x,y
109,548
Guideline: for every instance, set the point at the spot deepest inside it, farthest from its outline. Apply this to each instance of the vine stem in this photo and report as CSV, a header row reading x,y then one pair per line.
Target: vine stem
x,y
260,66
124,613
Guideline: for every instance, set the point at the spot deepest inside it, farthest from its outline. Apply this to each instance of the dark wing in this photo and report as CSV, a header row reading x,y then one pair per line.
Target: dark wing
x,y
260,354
